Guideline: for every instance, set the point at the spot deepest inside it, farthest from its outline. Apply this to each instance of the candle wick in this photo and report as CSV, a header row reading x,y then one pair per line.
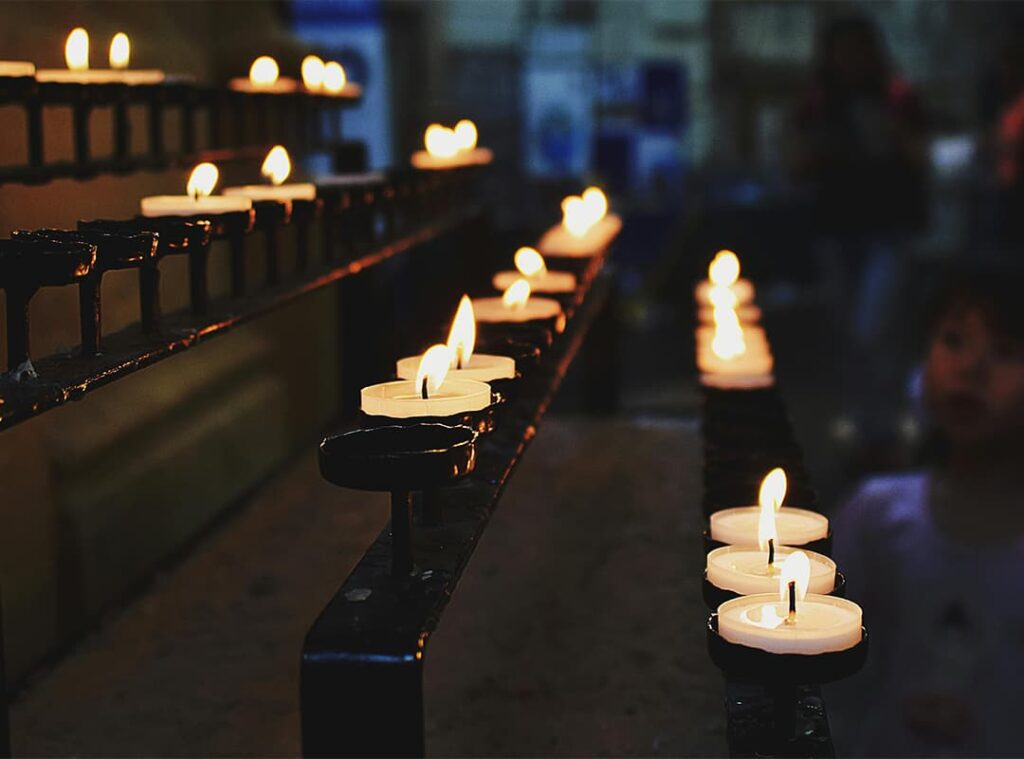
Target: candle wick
x,y
771,551
791,617
423,389
458,357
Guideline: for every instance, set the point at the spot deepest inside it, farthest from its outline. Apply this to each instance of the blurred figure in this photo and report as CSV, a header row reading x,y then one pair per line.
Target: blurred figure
x,y
859,141
936,557
1003,113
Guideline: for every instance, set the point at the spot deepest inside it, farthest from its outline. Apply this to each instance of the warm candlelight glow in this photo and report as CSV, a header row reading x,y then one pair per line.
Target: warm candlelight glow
x,y
517,294
433,369
76,50
577,216
277,165
766,529
312,72
202,180
462,336
440,141
728,342
773,489
796,569
597,201
120,51
722,297
769,619
529,262
334,77
264,72
724,268
465,135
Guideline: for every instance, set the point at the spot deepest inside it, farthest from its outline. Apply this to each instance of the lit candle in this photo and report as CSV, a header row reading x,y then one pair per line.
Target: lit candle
x,y
277,167
264,76
516,306
733,356
745,570
724,272
724,297
741,525
586,229
466,364
199,199
446,148
76,57
792,621
530,264
429,394
313,73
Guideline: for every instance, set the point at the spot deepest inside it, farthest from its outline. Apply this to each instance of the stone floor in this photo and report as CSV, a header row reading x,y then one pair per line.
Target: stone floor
x,y
577,629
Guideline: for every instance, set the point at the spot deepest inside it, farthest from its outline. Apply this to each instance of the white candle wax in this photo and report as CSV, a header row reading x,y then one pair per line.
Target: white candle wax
x,y
743,289
481,367
184,205
493,310
17,68
823,624
745,570
282,85
560,242
402,399
280,192
545,282
795,527
752,363
737,381
421,159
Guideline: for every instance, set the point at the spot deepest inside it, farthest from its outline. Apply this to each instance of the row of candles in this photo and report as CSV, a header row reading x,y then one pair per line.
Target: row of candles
x,y
318,76
774,588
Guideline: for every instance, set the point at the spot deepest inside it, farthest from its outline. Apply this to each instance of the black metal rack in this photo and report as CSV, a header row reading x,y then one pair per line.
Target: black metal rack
x,y
363,658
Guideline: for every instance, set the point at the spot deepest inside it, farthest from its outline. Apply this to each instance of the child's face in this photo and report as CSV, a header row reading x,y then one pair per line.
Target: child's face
x,y
974,380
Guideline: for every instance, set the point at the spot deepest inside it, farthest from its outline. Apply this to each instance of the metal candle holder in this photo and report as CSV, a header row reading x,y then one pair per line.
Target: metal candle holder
x,y
127,251
398,460
25,267
781,676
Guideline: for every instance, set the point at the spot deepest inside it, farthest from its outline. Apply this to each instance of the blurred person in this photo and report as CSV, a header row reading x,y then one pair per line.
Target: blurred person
x,y
859,142
936,557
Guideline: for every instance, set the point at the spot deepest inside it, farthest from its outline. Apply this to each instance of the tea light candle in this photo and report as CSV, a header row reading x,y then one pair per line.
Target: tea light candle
x,y
747,315
745,570
76,56
431,393
17,69
446,148
742,525
516,306
530,265
724,281
792,621
264,76
560,242
730,355
466,364
199,199
277,166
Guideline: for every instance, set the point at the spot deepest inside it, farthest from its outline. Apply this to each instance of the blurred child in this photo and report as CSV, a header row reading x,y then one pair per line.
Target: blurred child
x,y
936,557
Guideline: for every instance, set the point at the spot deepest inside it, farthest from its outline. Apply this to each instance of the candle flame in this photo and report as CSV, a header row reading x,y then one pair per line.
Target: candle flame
x,y
724,268
796,569
517,294
440,141
462,336
202,180
313,72
76,50
120,51
465,134
773,489
577,216
263,72
433,368
728,342
334,77
722,297
597,201
766,529
277,165
529,262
